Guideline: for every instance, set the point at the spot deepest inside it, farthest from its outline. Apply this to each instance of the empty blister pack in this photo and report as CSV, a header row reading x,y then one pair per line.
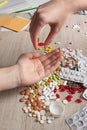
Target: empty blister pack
x,y
85,94
78,121
73,75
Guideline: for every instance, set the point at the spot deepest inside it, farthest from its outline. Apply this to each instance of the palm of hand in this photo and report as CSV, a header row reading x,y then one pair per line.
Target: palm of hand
x,y
34,67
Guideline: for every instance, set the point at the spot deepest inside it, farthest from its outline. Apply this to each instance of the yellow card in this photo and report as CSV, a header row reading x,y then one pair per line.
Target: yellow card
x,y
17,24
4,20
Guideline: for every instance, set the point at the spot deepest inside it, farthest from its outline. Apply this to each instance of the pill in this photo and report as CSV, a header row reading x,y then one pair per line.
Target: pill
x,y
43,118
41,44
42,112
30,114
47,103
41,121
65,102
22,99
49,121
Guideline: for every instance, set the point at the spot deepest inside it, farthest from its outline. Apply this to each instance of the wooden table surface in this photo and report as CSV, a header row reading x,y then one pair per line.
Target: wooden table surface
x,y
13,44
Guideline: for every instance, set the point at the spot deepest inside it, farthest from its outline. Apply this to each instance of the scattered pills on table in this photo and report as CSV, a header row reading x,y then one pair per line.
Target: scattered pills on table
x,y
69,77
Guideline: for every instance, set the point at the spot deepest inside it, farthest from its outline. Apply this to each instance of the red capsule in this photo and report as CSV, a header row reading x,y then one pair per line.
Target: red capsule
x,y
57,95
79,100
41,44
69,98
72,90
55,90
79,89
62,88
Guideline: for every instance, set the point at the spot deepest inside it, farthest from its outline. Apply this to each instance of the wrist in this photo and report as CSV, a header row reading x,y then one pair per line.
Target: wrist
x,y
71,6
9,77
77,5
16,75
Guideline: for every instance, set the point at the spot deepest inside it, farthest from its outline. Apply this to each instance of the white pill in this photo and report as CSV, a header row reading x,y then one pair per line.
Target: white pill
x,y
32,100
44,89
65,83
65,102
53,97
31,90
47,94
26,97
51,84
53,87
26,111
47,103
41,121
30,114
43,118
40,82
52,94
29,105
47,98
49,121
38,117
42,112
42,97
55,83
49,89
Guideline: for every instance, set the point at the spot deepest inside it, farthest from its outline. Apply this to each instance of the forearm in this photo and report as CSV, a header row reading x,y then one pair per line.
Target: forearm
x,y
78,4
81,5
9,77
75,5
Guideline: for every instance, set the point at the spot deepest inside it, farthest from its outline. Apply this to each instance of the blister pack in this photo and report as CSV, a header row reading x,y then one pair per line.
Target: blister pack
x,y
78,121
73,75
85,94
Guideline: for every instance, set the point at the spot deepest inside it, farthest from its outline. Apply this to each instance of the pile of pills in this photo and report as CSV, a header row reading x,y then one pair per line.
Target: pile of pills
x,y
39,97
70,76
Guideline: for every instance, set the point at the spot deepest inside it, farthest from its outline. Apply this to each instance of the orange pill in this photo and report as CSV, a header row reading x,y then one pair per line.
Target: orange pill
x,y
35,108
47,83
37,86
34,104
33,87
49,80
22,92
27,92
27,102
22,100
30,96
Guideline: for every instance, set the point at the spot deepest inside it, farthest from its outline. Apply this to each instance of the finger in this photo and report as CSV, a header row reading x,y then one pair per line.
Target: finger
x,y
46,56
32,55
35,29
58,59
35,34
32,26
54,30
52,59
52,67
48,69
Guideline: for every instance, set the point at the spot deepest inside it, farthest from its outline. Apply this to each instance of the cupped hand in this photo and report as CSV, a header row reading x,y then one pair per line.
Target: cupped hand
x,y
33,67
